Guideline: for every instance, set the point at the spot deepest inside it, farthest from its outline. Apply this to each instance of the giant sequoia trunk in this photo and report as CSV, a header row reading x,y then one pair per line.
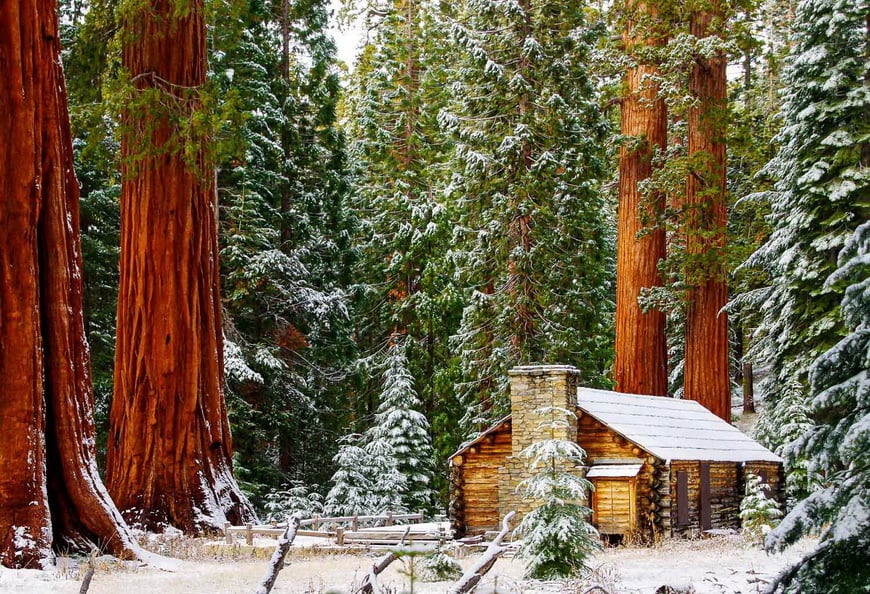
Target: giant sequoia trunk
x,y
50,491
641,350
707,377
169,451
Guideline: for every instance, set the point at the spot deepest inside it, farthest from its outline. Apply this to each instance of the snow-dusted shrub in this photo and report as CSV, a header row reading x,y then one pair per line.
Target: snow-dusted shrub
x,y
558,540
295,498
438,567
758,512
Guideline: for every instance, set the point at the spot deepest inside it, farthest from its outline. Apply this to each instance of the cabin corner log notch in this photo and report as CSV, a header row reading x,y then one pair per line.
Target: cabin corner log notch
x,y
657,484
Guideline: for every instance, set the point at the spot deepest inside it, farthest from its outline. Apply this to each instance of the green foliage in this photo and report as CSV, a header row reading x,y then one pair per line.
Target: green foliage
x,y
758,512
533,245
403,278
836,447
558,540
284,237
818,194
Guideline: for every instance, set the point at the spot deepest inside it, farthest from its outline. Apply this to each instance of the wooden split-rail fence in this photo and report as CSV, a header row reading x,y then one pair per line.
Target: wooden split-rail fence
x,y
344,529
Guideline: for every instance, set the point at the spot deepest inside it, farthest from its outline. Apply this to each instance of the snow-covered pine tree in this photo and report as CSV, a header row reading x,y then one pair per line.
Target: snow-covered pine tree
x,y
403,277
388,484
758,512
820,189
557,536
400,423
351,491
837,446
779,426
534,246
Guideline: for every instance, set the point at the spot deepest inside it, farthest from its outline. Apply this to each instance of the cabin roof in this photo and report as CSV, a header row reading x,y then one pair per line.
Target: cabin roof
x,y
667,428
672,429
613,471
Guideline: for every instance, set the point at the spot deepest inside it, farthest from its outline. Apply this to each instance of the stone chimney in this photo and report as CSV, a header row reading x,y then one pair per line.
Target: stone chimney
x,y
533,387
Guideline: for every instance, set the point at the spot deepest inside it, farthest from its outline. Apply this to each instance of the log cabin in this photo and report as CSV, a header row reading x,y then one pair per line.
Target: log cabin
x,y
659,466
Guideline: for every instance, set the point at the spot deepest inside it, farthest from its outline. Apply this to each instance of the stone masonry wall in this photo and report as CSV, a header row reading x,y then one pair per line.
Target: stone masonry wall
x,y
533,387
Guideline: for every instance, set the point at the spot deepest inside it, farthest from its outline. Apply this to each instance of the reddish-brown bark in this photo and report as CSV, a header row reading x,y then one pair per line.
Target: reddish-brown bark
x,y
169,450
707,378
50,491
641,350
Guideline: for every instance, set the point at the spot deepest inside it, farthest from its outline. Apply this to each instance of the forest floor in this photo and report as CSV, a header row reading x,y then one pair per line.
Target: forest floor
x,y
716,565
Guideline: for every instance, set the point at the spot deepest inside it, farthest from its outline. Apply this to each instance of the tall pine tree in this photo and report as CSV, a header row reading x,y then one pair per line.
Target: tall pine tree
x,y
819,193
534,241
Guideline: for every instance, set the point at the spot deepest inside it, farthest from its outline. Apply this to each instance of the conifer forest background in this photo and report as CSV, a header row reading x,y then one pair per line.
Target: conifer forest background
x,y
394,234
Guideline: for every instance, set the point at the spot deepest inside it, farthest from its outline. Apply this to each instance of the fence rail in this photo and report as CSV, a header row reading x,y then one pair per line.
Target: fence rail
x,y
333,526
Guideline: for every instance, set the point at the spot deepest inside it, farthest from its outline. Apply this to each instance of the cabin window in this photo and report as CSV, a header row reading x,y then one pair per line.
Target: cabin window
x,y
682,498
706,516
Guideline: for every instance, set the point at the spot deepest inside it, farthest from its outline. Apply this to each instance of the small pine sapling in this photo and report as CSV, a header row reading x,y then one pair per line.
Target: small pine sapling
x,y
557,537
438,567
758,512
351,485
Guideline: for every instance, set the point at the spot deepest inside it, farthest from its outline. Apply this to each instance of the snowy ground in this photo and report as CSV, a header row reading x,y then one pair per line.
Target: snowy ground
x,y
723,564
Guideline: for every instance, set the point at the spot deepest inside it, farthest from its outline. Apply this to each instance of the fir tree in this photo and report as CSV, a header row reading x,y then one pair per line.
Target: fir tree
x,y
351,485
820,190
403,277
534,242
285,239
837,445
758,512
400,423
779,426
557,536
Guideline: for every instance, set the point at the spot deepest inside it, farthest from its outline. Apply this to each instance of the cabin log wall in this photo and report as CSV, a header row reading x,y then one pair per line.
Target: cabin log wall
x,y
477,487
773,474
603,444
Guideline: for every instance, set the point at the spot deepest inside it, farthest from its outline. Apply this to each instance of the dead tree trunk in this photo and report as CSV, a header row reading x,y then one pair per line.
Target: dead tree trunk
x,y
50,491
707,377
472,577
277,562
641,350
169,451
748,381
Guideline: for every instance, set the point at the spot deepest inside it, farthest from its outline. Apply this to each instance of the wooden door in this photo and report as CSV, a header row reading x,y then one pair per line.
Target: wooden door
x,y
613,505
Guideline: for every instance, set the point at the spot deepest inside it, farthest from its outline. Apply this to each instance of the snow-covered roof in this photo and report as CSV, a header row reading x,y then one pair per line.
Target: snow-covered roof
x,y
613,470
672,429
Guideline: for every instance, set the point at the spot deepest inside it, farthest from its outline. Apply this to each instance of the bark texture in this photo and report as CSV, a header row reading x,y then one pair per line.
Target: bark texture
x,y
50,491
707,378
169,451
641,350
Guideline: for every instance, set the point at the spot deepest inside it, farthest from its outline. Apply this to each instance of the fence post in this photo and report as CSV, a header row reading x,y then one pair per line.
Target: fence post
x,y
339,536
389,518
316,522
355,523
227,534
249,534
